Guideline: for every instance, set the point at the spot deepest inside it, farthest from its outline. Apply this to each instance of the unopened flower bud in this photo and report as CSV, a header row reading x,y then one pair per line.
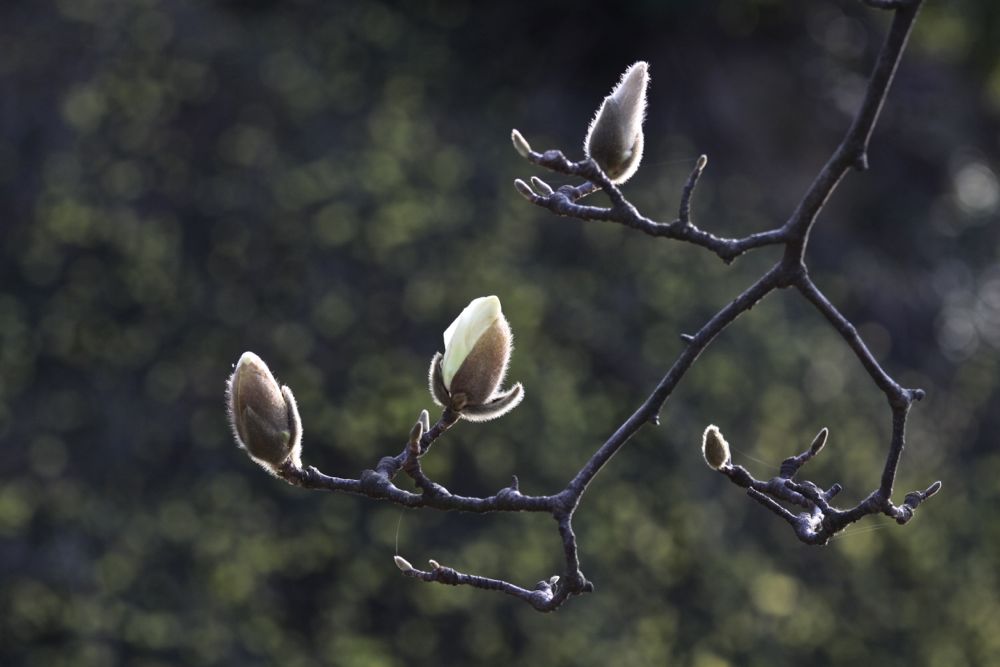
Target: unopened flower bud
x,y
714,447
521,145
263,414
467,377
614,139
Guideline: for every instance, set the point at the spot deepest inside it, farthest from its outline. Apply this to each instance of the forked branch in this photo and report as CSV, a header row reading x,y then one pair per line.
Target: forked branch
x,y
615,144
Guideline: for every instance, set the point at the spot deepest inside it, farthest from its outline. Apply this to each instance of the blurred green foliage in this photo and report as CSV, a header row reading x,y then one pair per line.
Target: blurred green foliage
x,y
328,184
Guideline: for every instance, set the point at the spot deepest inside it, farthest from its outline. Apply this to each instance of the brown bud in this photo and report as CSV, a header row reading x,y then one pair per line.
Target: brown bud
x,y
714,447
263,414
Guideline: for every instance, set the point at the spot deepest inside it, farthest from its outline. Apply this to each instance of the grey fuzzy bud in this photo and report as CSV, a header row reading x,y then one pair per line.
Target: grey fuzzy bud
x,y
541,186
524,189
521,145
819,441
403,564
614,139
263,415
714,447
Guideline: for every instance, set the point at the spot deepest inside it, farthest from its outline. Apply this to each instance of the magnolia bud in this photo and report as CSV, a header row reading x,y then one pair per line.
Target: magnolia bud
x,y
403,564
521,144
614,139
263,415
714,447
467,377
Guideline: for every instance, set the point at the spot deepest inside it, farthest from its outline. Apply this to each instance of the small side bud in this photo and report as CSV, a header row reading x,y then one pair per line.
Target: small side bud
x,y
434,564
715,448
403,564
819,442
702,163
541,186
614,139
263,414
416,432
521,144
932,489
425,419
524,189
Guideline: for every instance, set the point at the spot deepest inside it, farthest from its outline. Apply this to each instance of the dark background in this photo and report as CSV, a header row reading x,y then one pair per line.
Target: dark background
x,y
329,183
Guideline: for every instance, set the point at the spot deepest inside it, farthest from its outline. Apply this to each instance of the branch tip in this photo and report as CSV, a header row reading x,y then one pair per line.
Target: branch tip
x,y
819,442
521,145
525,190
542,186
403,564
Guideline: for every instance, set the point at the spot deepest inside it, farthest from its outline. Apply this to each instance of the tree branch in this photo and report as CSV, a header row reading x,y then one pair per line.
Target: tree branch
x,y
816,520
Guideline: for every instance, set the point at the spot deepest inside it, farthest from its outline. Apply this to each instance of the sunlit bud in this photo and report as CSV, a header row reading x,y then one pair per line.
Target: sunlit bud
x,y
403,564
467,377
520,143
714,447
541,185
819,441
434,564
614,139
263,414
524,189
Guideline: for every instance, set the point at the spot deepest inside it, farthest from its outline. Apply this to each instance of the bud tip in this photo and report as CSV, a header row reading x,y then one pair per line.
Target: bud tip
x,y
521,145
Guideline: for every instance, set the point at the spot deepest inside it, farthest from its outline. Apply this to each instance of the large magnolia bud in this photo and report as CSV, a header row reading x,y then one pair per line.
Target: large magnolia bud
x,y
614,139
263,414
467,377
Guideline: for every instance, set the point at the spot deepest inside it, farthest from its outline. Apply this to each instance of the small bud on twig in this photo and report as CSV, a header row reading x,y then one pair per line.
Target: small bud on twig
x,y
521,145
403,564
541,186
524,189
434,564
416,433
714,447
819,441
614,140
